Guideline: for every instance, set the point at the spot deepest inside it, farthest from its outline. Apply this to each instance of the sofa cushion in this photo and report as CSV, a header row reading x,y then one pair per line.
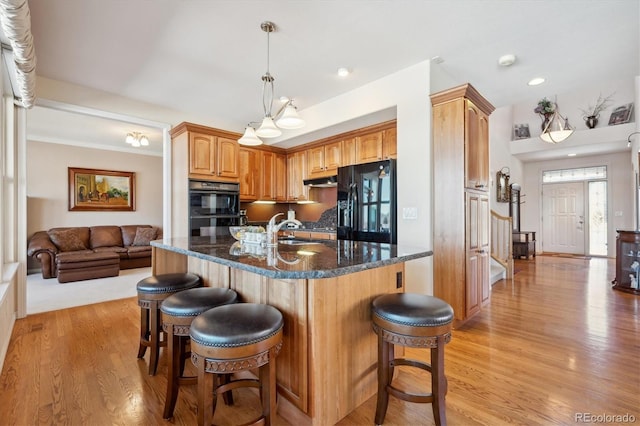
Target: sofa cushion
x,y
129,233
139,251
105,236
144,236
67,239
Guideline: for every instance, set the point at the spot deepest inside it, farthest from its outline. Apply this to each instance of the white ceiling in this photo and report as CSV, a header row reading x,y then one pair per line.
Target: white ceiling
x,y
205,58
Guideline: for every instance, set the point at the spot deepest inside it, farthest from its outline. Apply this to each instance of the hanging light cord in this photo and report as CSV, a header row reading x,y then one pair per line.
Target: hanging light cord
x,y
267,78
629,137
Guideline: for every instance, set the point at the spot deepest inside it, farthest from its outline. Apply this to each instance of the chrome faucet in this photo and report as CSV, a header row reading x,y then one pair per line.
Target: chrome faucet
x,y
273,229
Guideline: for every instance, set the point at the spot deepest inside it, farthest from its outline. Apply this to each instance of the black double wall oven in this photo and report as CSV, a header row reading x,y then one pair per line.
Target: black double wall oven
x,y
213,207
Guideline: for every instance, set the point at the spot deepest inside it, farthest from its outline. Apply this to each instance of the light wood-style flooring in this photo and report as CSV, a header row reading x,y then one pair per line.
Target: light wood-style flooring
x,y
556,343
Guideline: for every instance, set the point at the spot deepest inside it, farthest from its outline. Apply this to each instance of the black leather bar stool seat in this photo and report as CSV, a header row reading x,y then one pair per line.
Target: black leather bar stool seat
x,y
234,338
178,311
151,292
418,321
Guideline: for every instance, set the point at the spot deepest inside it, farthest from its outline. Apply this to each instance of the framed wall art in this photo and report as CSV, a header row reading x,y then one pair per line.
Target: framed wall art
x,y
521,131
101,190
621,114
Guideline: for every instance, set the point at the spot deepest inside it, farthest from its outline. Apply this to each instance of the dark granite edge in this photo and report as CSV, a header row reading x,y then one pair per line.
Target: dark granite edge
x,y
277,273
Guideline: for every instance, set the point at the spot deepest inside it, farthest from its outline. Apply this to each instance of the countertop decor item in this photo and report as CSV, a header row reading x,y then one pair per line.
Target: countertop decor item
x,y
592,112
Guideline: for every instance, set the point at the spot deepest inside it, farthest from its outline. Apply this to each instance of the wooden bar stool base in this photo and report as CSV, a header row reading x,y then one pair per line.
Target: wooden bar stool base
x,y
418,321
178,311
151,292
235,338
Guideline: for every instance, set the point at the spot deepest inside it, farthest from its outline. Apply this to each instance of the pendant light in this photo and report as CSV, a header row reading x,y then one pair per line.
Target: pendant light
x,y
287,116
557,129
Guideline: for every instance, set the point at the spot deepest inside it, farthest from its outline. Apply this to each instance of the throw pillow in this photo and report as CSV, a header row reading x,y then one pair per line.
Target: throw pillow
x,y
144,236
66,240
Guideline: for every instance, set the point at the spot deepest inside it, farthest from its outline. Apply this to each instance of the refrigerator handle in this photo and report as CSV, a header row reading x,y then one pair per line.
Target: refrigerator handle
x,y
353,191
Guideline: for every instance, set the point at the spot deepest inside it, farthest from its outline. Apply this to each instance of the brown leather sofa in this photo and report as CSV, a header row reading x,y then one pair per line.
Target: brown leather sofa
x,y
82,253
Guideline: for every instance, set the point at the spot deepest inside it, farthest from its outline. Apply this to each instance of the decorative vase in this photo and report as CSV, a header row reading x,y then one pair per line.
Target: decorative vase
x,y
591,121
545,121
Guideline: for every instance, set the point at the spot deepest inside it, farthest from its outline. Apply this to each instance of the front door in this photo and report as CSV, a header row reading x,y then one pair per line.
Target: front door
x,y
563,217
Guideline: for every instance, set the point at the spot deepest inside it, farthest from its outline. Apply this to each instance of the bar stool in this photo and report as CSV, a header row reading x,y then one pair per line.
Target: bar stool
x,y
151,292
417,321
234,338
178,311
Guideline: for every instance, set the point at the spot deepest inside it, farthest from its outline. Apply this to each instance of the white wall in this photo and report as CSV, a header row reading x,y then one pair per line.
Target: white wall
x,y
48,186
620,192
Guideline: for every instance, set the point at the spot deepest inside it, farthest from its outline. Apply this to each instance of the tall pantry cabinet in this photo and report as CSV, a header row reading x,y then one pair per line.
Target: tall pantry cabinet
x,y
461,236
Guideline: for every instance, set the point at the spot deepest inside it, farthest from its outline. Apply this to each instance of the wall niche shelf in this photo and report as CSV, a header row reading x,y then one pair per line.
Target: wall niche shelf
x,y
583,141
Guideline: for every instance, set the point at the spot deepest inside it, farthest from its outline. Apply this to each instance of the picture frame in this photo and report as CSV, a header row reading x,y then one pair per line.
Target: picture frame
x,y
621,114
101,190
521,131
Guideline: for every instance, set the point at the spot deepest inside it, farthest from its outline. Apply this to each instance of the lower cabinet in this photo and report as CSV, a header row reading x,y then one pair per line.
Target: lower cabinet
x,y
627,262
478,286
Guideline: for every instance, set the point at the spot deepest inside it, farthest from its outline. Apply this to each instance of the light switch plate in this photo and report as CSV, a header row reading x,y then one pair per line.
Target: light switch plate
x,y
410,213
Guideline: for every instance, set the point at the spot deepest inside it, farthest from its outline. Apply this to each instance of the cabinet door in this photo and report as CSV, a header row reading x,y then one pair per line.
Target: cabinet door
x,y
315,161
202,154
476,148
484,223
389,143
348,152
369,148
267,181
296,173
281,177
332,157
249,170
227,153
478,287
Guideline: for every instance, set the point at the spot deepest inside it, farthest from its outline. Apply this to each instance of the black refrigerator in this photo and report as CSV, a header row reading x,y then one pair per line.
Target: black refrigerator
x,y
367,202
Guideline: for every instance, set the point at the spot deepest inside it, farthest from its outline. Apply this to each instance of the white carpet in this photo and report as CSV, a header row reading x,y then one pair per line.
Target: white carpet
x,y
49,295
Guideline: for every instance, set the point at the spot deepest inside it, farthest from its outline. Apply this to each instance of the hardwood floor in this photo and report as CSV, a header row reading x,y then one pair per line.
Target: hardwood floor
x,y
555,342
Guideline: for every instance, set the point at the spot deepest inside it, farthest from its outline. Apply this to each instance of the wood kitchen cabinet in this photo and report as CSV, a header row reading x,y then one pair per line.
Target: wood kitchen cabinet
x,y
249,160
273,185
376,146
213,157
201,153
324,160
369,147
461,204
348,147
296,173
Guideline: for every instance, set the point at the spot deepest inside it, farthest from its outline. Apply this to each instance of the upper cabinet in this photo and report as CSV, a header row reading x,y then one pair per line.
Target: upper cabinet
x,y
249,171
376,146
296,173
476,148
273,186
212,157
324,160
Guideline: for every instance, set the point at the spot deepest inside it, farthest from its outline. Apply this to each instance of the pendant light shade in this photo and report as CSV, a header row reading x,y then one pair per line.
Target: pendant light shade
x,y
290,118
268,129
249,138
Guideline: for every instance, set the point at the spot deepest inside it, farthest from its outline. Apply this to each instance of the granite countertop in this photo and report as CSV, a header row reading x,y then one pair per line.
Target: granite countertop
x,y
301,260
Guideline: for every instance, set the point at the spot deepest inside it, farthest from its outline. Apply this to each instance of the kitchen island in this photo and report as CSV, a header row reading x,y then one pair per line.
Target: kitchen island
x,y
327,366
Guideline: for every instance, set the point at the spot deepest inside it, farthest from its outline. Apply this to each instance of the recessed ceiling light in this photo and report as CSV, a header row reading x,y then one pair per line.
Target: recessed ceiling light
x,y
343,72
507,60
535,81
573,154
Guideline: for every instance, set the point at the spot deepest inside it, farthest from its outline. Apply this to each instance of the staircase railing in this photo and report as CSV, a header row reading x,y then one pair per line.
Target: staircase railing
x,y
502,241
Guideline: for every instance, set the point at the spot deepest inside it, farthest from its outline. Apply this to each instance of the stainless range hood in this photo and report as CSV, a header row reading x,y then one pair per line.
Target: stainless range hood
x,y
325,182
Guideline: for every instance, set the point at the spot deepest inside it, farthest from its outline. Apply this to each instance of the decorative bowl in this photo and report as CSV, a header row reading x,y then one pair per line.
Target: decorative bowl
x,y
239,232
